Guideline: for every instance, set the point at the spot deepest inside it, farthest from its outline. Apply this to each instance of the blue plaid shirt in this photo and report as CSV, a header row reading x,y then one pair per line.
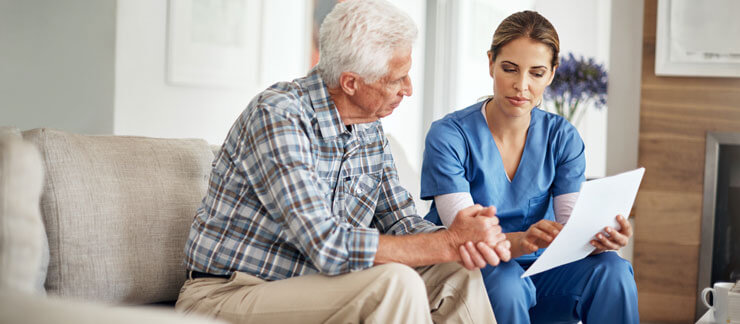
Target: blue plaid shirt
x,y
294,191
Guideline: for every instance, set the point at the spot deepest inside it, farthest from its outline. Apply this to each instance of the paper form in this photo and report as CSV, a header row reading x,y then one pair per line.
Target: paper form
x,y
598,204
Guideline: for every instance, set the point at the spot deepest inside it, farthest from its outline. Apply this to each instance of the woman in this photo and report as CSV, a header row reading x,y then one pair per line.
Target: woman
x,y
506,152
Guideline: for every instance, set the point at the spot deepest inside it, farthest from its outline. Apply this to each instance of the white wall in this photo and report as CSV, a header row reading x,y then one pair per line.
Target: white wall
x,y
56,64
478,20
623,129
88,66
583,28
146,104
405,123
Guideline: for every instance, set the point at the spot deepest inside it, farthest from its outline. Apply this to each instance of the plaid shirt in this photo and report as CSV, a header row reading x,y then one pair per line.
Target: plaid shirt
x,y
293,191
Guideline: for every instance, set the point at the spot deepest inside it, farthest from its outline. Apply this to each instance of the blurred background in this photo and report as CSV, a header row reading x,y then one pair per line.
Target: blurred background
x,y
187,68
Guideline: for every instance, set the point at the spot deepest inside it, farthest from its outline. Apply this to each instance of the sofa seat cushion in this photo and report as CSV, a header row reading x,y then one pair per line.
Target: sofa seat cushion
x,y
117,211
28,309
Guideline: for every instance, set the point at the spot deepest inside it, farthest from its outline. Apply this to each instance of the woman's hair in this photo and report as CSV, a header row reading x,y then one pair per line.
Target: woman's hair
x,y
360,36
528,24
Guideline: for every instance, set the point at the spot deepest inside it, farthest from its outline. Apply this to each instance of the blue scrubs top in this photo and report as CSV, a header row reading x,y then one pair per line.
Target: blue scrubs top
x,y
460,155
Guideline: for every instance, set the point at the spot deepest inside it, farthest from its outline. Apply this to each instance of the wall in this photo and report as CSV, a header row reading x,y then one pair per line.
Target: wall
x,y
583,28
56,64
405,124
147,105
623,121
675,114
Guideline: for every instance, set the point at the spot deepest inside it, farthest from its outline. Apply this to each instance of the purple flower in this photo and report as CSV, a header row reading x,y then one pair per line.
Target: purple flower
x,y
577,81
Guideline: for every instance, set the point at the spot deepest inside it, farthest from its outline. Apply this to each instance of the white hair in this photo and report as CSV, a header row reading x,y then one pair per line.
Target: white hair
x,y
360,36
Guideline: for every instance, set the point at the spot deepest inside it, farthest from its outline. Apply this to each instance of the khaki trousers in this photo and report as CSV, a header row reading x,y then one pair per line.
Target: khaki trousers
x,y
389,293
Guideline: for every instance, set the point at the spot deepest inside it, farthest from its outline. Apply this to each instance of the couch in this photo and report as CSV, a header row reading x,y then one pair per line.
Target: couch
x,y
99,223
109,215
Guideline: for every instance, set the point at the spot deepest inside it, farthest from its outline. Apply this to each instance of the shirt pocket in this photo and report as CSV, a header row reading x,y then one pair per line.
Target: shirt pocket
x,y
537,209
360,197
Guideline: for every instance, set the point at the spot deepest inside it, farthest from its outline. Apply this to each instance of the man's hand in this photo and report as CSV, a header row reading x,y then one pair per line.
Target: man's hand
x,y
480,225
477,255
615,239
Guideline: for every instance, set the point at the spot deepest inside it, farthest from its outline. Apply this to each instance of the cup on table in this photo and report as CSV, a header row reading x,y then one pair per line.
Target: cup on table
x,y
719,299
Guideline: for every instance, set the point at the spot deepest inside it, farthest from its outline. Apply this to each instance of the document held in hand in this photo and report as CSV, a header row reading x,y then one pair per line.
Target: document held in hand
x,y
598,204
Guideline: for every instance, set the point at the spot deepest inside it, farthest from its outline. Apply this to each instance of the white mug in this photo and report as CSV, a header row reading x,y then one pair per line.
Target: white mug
x,y
719,293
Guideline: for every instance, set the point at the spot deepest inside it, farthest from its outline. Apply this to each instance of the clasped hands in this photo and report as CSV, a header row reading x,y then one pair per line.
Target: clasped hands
x,y
480,225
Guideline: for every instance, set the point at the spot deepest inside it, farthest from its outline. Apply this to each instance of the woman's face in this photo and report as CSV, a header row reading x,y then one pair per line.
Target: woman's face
x,y
520,75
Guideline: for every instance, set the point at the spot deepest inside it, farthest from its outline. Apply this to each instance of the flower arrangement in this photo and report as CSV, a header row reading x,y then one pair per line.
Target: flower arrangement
x,y
577,82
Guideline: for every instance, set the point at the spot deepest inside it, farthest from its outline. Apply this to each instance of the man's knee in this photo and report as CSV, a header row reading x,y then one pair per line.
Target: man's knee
x,y
402,280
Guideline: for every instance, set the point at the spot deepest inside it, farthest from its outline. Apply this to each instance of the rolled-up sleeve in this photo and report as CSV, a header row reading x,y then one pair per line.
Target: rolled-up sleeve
x,y
445,155
280,165
571,162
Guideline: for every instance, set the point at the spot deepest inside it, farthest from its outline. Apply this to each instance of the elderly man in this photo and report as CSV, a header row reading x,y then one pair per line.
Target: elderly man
x,y
304,220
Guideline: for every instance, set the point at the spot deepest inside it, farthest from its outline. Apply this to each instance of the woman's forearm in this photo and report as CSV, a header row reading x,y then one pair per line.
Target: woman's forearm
x,y
516,247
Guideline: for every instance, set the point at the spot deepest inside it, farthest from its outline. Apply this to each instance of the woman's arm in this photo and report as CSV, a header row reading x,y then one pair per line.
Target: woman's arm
x,y
473,224
472,254
448,205
563,206
539,235
615,240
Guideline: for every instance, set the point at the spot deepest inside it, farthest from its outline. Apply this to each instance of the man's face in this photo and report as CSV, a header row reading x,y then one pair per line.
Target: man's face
x,y
378,99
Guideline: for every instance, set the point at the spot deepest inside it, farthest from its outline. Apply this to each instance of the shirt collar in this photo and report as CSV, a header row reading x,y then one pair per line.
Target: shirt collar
x,y
327,115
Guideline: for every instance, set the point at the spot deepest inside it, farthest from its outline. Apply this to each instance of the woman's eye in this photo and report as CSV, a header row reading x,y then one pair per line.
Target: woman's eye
x,y
509,70
538,75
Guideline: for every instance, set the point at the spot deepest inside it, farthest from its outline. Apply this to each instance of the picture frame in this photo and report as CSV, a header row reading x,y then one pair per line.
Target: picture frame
x,y
213,43
697,38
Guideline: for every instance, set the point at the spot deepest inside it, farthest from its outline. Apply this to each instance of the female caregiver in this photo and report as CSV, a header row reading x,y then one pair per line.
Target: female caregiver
x,y
506,152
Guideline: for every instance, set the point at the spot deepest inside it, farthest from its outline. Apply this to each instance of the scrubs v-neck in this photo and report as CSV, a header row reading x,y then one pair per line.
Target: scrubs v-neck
x,y
460,155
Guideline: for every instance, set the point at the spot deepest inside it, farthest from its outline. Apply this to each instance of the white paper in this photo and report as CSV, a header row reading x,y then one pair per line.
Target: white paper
x,y
598,204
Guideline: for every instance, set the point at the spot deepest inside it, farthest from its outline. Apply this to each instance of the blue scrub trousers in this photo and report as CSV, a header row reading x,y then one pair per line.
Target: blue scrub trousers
x,y
597,289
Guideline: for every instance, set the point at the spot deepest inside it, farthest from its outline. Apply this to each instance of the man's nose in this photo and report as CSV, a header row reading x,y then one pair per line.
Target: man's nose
x,y
406,88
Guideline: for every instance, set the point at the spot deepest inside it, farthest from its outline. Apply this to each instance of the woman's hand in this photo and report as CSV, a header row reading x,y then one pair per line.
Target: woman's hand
x,y
538,236
616,239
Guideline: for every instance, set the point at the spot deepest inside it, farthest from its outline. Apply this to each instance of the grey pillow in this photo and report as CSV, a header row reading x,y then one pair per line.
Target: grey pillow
x,y
24,253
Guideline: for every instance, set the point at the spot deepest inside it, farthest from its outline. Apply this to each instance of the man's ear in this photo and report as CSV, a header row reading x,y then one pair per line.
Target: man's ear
x,y
349,82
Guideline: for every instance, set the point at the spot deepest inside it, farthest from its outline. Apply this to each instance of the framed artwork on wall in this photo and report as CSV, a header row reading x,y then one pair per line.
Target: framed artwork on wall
x,y
213,43
698,38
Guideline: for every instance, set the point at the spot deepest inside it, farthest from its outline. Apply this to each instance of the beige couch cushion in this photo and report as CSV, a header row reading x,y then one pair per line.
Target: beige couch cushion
x,y
23,251
9,131
26,309
117,211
